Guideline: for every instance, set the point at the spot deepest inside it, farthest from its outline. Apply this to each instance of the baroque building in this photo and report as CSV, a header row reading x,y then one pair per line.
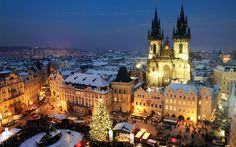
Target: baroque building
x,y
18,92
80,92
177,100
166,64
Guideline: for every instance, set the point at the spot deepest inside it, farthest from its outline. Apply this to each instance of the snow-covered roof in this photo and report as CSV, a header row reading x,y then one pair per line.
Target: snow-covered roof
x,y
87,79
5,72
200,66
8,134
99,63
125,126
102,72
186,88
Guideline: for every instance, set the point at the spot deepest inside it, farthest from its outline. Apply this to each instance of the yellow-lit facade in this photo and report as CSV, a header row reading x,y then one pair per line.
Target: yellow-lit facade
x,y
186,101
180,102
122,96
17,95
166,64
11,95
70,98
148,101
224,76
32,87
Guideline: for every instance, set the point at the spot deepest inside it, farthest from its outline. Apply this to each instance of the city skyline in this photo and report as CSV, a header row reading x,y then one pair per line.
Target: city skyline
x,y
118,25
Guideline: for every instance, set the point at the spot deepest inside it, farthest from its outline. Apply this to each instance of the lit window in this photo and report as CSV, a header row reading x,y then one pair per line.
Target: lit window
x,y
166,107
166,100
200,102
170,107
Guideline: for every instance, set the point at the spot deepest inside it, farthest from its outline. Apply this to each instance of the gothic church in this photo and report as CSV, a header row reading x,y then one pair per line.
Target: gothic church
x,y
165,64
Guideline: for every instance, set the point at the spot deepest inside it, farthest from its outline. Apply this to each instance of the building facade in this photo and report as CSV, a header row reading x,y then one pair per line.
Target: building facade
x,y
80,92
181,101
165,64
32,87
224,76
12,100
177,100
122,92
148,101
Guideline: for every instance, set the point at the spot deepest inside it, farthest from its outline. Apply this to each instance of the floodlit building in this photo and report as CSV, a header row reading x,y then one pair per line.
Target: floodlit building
x,y
165,64
122,91
224,76
181,101
32,86
177,100
79,92
148,101
12,100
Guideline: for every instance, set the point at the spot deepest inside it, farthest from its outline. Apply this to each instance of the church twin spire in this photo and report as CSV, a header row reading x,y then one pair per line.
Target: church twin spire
x,y
155,32
182,30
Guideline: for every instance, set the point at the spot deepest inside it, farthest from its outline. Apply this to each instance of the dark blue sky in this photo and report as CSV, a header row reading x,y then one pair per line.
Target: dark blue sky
x,y
116,24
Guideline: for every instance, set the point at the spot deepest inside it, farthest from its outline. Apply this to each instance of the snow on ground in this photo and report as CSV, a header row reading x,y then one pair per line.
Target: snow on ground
x,y
66,140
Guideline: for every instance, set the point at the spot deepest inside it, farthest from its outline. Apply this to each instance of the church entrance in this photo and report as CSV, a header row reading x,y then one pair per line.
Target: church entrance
x,y
166,75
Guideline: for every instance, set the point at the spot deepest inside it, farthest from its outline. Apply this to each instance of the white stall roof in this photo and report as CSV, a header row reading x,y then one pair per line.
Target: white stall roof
x,y
139,134
8,134
146,135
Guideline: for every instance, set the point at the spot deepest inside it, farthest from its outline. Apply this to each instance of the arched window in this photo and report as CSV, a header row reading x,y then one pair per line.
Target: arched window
x,y
154,48
181,48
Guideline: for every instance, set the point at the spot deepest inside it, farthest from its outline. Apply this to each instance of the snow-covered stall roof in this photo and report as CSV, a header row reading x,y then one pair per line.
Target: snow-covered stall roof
x,y
125,126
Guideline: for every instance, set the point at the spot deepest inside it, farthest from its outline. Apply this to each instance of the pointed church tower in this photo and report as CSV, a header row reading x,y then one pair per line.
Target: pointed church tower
x,y
181,37
155,37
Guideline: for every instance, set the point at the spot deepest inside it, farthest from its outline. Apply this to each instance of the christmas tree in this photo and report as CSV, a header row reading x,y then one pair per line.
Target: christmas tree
x,y
101,123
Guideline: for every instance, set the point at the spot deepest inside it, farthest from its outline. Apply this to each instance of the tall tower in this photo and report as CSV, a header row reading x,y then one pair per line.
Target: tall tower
x,y
181,37
155,37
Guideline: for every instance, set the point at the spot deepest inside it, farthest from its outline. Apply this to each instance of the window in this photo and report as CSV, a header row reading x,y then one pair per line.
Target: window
x,y
154,48
180,48
200,102
160,106
143,104
166,107
136,103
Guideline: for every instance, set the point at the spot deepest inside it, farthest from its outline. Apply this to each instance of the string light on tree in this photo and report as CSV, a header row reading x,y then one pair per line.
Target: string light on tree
x,y
101,123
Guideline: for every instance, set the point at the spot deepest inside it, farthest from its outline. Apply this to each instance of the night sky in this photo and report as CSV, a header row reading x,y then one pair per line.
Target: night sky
x,y
113,24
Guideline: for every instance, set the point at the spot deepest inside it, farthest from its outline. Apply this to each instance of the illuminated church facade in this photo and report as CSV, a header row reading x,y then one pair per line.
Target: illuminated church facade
x,y
165,64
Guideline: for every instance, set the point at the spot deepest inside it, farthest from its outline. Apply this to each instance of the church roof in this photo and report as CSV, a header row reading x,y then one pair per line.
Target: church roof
x,y
123,75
